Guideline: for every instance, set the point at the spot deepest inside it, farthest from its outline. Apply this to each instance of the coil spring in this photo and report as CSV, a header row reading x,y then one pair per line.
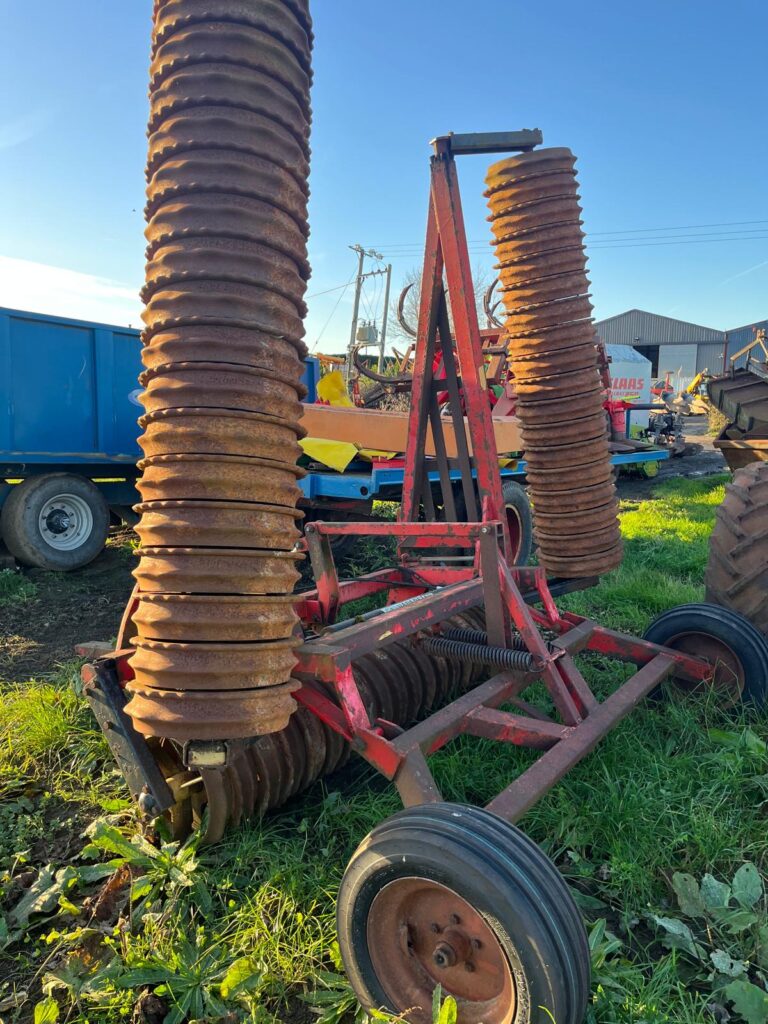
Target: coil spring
x,y
499,657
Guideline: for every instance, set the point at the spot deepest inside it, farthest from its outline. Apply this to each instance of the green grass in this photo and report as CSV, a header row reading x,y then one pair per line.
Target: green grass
x,y
679,787
15,588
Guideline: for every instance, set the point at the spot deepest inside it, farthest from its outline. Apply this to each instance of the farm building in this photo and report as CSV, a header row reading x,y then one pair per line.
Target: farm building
x,y
675,346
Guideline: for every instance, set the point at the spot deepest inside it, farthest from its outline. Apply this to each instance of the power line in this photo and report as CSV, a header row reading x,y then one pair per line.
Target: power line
x,y
333,311
475,250
624,231
327,291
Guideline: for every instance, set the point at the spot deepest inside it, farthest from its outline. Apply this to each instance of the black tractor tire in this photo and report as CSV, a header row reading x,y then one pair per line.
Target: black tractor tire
x,y
499,884
728,639
737,571
520,521
74,517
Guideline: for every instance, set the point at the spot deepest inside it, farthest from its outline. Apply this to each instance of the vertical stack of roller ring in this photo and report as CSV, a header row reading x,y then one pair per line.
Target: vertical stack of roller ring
x,y
536,223
225,278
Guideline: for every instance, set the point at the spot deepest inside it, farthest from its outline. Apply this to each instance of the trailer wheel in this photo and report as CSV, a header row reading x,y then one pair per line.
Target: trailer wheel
x,y
451,895
738,652
58,521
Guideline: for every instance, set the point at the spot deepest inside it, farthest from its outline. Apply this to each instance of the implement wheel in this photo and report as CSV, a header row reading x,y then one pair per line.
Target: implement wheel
x,y
737,651
451,895
519,521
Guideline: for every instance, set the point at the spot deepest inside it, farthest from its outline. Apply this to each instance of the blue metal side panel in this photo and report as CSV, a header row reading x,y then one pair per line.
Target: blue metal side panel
x,y
68,390
52,388
123,393
310,377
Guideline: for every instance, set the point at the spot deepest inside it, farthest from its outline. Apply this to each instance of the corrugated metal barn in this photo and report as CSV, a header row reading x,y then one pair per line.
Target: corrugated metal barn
x,y
682,348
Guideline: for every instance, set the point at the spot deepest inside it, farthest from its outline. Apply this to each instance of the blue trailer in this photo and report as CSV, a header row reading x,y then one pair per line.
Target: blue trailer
x,y
68,449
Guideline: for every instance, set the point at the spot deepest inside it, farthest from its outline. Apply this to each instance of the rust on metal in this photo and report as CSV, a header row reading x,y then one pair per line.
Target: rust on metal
x,y
220,386
229,524
242,347
219,477
216,571
219,432
226,272
198,617
536,223
164,665
210,714
422,934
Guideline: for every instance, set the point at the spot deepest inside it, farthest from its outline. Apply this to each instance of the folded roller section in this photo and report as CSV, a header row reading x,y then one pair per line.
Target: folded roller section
x,y
536,223
226,273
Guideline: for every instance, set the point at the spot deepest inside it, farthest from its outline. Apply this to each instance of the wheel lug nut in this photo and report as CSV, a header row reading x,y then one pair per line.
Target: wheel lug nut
x,y
434,927
469,966
476,944
455,919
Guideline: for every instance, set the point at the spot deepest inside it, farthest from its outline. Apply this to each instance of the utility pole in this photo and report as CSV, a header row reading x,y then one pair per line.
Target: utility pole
x,y
361,254
383,337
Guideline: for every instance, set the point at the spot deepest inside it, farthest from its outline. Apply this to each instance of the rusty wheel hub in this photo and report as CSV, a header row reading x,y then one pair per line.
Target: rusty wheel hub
x,y
422,934
727,671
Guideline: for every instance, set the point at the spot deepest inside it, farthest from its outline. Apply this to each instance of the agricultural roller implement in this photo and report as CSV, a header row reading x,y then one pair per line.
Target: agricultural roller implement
x,y
228,694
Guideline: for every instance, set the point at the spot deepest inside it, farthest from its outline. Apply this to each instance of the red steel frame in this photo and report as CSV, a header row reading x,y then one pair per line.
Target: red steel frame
x,y
423,590
421,595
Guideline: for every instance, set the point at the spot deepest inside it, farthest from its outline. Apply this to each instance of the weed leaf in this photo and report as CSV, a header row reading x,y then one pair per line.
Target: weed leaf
x,y
749,1001
747,741
747,885
47,1011
437,997
43,895
111,840
243,974
678,935
725,964
688,894
716,895
448,1011
762,956
142,976
736,920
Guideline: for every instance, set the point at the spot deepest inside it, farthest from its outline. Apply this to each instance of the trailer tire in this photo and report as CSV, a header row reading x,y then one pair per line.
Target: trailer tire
x,y
58,521
728,639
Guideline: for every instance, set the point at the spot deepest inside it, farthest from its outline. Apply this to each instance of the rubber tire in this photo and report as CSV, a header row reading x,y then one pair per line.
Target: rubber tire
x,y
750,646
502,874
516,497
19,521
738,550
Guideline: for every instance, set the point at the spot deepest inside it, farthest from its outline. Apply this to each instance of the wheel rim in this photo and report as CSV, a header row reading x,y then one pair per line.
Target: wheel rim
x,y
515,527
728,672
65,522
421,934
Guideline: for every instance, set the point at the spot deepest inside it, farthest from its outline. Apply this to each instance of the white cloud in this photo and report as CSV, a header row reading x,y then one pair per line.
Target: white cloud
x,y
42,288
22,129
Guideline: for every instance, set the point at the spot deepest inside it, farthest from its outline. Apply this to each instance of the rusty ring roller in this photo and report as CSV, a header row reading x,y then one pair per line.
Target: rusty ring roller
x,y
226,273
535,218
398,683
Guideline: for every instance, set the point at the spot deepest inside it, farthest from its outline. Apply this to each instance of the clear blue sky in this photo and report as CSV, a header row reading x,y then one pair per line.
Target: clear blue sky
x,y
664,104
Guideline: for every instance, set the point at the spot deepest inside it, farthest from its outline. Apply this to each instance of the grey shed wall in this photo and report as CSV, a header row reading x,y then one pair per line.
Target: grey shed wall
x,y
638,327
